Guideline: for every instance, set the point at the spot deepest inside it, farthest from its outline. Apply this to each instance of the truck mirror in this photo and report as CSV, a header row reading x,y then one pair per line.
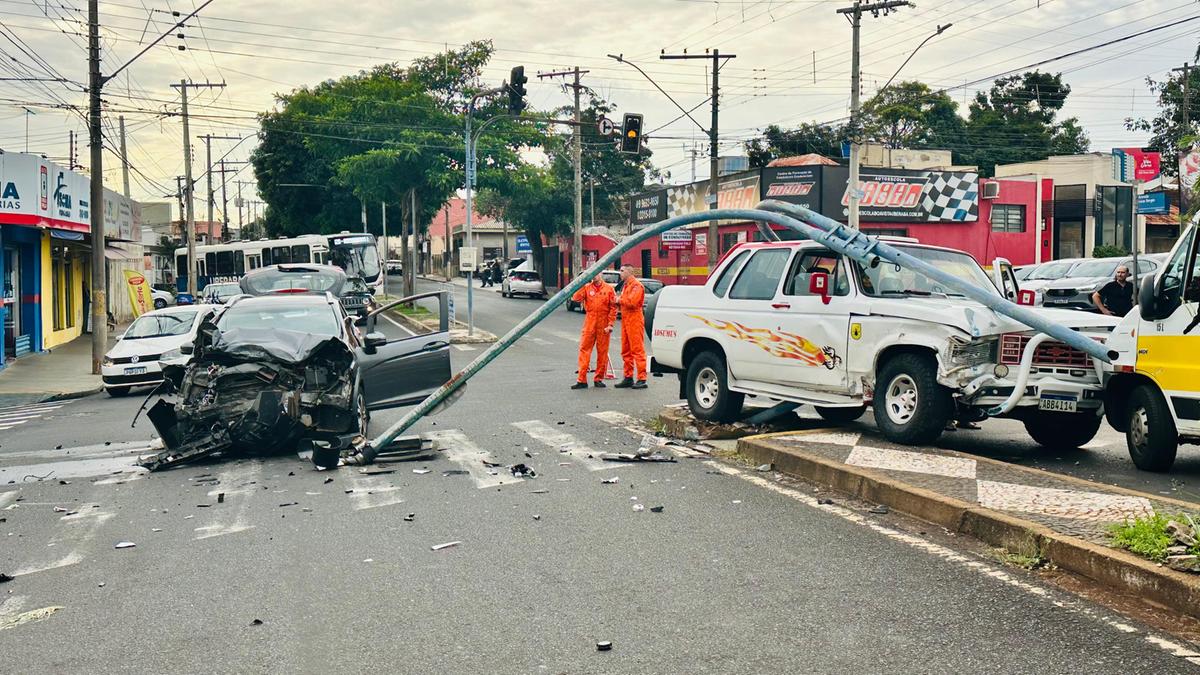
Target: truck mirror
x,y
1148,300
818,284
1026,297
1193,291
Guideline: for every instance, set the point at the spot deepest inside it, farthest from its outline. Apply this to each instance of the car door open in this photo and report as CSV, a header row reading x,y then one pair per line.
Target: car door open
x,y
402,370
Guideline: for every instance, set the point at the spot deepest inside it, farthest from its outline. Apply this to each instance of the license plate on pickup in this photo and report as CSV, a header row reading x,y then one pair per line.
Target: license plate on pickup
x,y
1058,402
137,370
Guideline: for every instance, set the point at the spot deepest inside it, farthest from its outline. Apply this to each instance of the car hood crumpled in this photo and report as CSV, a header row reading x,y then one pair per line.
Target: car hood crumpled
x,y
976,319
282,346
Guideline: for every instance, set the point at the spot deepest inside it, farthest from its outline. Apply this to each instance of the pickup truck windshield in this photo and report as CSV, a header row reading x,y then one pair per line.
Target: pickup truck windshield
x,y
889,280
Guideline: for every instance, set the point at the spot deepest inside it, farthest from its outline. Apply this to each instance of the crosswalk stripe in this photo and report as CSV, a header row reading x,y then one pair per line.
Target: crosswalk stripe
x,y
463,451
9,425
617,419
4,417
238,483
540,341
34,406
372,492
464,348
565,443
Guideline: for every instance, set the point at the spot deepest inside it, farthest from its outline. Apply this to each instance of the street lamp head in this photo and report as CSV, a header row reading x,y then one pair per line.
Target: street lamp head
x,y
943,29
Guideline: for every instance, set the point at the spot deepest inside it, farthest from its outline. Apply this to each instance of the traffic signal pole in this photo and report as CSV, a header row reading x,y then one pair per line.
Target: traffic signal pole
x,y
577,160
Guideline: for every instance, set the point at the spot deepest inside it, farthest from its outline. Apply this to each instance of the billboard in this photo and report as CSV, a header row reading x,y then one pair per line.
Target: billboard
x,y
648,208
40,193
902,195
800,185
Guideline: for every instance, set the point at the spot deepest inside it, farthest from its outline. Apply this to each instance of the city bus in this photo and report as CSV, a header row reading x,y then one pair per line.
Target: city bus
x,y
357,254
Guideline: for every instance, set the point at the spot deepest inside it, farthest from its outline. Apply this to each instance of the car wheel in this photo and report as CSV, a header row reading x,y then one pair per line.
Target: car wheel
x,y
117,392
708,392
159,303
910,406
1151,436
841,415
1062,431
361,414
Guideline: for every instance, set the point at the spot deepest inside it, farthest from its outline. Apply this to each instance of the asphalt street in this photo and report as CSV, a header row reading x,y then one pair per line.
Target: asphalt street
x,y
266,565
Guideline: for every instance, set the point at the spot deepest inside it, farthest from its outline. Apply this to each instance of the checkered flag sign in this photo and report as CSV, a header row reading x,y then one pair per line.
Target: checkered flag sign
x,y
951,196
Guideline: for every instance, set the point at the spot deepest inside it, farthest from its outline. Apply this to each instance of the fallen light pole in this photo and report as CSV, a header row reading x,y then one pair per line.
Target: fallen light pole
x,y
854,244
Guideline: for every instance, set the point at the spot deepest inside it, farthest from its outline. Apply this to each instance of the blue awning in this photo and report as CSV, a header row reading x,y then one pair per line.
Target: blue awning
x,y
68,235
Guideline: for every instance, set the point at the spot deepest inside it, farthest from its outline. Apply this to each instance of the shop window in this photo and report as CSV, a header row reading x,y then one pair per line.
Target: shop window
x,y
728,241
1008,218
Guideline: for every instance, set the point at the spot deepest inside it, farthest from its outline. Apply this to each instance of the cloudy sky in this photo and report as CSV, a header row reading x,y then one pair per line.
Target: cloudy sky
x,y
792,65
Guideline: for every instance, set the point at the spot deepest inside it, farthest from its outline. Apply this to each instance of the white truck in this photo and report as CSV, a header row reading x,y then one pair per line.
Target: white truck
x,y
794,321
1153,386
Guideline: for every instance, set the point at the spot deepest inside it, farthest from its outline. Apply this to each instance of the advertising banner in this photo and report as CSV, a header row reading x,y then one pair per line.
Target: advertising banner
x,y
140,297
523,244
701,248
1189,171
902,195
1136,164
40,193
648,208
676,240
800,185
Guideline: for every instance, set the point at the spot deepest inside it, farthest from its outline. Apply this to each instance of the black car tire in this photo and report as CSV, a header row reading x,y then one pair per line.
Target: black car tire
x,y
362,414
841,415
1151,435
159,303
117,392
911,408
708,393
1062,431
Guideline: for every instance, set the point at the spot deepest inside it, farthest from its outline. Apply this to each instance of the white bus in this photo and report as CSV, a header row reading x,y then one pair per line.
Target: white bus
x,y
357,254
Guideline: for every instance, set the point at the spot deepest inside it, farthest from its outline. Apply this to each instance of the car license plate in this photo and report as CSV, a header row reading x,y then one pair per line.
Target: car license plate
x,y
137,370
1058,301
1058,402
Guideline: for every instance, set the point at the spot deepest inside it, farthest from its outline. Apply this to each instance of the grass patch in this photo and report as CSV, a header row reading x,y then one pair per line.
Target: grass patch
x,y
1147,536
417,312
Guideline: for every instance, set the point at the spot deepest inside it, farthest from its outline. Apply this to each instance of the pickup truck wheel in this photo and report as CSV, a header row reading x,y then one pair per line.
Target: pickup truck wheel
x,y
708,392
1062,431
841,415
910,406
1151,436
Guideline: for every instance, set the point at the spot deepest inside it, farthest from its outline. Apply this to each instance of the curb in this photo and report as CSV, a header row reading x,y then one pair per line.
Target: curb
x,y
30,398
1119,569
458,335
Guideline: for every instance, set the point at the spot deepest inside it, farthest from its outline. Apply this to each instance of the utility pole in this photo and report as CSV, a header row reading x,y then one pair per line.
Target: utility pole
x,y
386,255
187,182
99,293
28,112
71,149
854,14
124,156
224,206
208,139
1187,131
577,159
241,223
713,241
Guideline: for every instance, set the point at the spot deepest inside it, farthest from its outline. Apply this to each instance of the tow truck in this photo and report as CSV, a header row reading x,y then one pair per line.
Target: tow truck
x,y
1152,387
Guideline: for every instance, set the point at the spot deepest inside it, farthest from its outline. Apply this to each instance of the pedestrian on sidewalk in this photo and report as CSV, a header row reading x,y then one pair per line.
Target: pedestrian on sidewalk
x,y
599,303
486,275
633,325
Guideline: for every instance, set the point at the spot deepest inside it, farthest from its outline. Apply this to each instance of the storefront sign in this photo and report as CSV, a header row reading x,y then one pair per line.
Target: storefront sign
x,y
648,208
523,244
900,195
679,239
800,185
701,248
37,192
1153,202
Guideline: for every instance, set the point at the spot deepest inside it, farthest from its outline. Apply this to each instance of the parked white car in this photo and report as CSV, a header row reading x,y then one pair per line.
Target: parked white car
x,y
152,338
793,321
523,282
162,299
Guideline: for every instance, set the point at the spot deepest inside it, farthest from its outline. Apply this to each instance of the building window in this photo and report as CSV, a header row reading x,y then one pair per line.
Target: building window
x,y
728,241
1008,218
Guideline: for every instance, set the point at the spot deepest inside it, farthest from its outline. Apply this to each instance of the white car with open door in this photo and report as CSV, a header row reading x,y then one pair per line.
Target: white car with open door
x,y
796,322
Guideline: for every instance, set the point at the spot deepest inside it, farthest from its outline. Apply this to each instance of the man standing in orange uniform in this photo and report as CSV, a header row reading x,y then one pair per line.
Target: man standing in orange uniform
x,y
633,324
600,304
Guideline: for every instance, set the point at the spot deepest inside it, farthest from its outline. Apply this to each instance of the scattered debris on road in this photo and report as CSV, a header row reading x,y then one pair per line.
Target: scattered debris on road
x,y
449,544
256,622
4,578
522,471
124,544
656,509
603,646
764,467
610,481
881,509
422,472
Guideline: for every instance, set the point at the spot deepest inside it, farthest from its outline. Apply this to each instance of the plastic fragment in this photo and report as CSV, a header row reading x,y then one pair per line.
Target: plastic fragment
x,y
605,645
610,481
124,544
438,547
656,509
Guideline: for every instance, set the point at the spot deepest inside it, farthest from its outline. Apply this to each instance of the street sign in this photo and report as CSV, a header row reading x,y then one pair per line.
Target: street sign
x,y
1153,202
605,126
450,307
523,244
676,240
468,259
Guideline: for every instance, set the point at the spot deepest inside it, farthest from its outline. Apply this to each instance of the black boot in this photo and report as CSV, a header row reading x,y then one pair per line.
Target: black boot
x,y
640,384
579,385
599,384
624,384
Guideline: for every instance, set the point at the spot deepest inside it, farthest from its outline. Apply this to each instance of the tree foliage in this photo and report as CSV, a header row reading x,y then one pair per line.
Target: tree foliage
x,y
804,139
909,115
1168,134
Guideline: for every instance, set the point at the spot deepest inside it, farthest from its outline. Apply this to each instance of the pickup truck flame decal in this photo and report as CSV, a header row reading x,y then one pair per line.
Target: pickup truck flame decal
x,y
777,343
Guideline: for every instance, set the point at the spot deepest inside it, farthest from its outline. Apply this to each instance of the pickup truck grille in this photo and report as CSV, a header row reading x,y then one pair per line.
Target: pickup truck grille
x,y
1050,353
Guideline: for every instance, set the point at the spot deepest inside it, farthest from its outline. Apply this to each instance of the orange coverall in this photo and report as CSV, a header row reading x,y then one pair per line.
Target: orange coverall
x,y
600,303
633,324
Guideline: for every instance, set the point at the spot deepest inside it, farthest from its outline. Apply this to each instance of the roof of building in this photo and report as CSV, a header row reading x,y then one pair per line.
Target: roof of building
x,y
454,213
802,160
1170,218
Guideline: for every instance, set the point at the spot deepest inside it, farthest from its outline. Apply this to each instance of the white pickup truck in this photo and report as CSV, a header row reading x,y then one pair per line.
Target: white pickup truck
x,y
794,321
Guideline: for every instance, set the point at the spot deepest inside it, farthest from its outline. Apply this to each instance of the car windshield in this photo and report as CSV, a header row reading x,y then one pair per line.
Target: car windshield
x,y
160,325
355,285
1052,271
275,280
314,319
891,280
1097,268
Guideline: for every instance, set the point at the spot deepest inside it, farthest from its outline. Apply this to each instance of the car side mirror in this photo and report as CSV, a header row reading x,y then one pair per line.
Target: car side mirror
x,y
1026,297
1149,302
818,284
373,341
187,348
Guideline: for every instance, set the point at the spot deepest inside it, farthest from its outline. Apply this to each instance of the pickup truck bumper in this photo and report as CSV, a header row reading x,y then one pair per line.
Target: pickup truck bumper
x,y
1053,390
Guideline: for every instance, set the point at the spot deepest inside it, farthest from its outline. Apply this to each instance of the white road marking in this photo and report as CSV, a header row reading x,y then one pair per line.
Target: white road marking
x,y
81,468
397,324
13,417
238,484
563,335
90,522
566,444
464,348
9,425
372,492
11,618
8,496
463,451
969,562
916,462
635,426
540,341
53,405
120,449
617,419
1075,504
830,438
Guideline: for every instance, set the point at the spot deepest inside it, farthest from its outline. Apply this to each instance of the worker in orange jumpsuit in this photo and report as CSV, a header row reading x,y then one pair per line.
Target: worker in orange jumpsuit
x,y
599,301
633,324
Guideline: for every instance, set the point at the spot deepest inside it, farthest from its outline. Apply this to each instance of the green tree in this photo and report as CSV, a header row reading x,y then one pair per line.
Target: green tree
x,y
533,199
909,115
1016,121
804,139
1168,134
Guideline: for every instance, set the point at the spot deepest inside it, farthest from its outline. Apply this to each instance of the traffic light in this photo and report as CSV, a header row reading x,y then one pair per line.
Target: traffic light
x,y
516,90
631,134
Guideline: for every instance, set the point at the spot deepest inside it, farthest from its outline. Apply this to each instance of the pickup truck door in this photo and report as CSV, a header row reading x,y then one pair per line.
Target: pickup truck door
x,y
813,334
1169,333
743,320
408,366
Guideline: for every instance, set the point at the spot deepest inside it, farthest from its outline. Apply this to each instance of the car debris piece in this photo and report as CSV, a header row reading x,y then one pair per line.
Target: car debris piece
x,y
881,509
410,517
825,501
539,492
635,457
764,467
536,517
376,472
639,507
328,481
4,578
490,464
522,471
124,544
603,646
422,472
455,472
220,497
59,509
438,547
256,622
288,504
610,481
656,509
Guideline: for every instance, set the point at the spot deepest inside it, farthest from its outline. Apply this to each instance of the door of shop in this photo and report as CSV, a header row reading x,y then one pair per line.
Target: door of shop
x,y
10,299
1068,239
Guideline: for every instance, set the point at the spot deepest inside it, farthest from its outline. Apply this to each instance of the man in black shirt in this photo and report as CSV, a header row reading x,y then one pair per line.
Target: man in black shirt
x,y
1116,297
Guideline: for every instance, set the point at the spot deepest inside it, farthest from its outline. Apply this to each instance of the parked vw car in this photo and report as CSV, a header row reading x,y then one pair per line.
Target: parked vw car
x,y
1075,290
164,334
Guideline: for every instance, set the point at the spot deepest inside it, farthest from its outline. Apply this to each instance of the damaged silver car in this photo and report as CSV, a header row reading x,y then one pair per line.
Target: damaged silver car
x,y
287,368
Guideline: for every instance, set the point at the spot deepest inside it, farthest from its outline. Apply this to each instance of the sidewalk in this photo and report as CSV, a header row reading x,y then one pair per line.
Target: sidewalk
x,y
1030,513
461,282
63,372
